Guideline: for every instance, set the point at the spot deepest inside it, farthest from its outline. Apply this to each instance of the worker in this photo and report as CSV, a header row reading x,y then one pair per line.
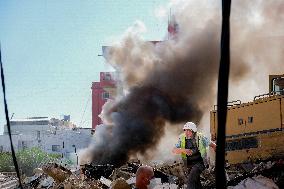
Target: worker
x,y
144,177
192,148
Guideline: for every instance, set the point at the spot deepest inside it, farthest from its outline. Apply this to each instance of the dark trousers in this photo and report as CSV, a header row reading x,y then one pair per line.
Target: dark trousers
x,y
194,172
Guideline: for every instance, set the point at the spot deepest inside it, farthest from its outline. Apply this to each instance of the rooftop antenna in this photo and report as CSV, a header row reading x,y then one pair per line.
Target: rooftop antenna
x,y
169,21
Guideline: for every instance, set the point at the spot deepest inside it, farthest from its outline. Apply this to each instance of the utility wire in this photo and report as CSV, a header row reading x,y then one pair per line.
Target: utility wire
x,y
223,82
8,123
89,97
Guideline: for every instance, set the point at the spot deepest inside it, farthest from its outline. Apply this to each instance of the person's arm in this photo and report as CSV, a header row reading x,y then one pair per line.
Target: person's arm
x,y
178,150
209,143
213,145
182,151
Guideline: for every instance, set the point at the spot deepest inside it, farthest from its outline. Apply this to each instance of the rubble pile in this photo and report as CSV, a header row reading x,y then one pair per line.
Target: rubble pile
x,y
270,173
97,171
120,183
273,170
259,182
55,176
92,176
8,181
164,173
74,182
208,178
171,176
34,181
175,173
57,172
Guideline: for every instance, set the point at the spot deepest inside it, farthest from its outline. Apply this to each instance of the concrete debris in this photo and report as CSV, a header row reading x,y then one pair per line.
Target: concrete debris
x,y
105,181
8,181
176,172
57,172
263,166
208,178
123,172
270,169
117,173
34,181
259,182
120,183
171,176
248,167
74,182
47,182
131,181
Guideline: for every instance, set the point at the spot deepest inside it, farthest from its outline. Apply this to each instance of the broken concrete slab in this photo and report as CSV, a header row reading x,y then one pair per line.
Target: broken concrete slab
x,y
259,182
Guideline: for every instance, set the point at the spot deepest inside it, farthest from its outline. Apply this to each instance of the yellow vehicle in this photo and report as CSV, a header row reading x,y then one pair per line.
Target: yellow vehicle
x,y
254,130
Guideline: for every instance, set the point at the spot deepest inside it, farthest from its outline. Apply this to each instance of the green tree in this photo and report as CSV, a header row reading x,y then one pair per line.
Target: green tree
x,y
28,160
6,162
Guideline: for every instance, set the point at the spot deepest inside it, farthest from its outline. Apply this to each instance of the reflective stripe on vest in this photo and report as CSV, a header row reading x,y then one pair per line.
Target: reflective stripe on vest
x,y
199,141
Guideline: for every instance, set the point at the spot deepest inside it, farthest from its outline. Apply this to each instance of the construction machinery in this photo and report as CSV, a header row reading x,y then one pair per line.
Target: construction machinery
x,y
254,130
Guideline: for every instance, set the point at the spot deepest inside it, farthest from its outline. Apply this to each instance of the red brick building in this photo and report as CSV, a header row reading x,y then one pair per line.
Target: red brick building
x,y
106,87
101,91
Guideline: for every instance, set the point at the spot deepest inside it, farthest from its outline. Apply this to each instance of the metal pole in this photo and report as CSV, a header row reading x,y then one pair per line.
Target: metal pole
x,y
224,69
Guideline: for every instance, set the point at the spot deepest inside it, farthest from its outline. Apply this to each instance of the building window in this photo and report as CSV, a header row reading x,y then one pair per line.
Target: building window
x,y
24,145
107,77
38,135
105,95
55,148
250,119
240,121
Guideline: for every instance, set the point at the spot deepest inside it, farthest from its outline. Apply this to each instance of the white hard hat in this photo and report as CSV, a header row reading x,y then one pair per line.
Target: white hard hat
x,y
191,126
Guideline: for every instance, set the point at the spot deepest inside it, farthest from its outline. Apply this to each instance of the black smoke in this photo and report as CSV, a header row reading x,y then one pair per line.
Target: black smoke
x,y
175,80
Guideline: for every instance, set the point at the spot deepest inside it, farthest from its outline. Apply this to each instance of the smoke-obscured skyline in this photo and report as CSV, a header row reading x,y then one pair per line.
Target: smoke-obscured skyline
x,y
175,80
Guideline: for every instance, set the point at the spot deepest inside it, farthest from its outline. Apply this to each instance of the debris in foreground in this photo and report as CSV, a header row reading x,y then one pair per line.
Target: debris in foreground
x,y
171,176
8,180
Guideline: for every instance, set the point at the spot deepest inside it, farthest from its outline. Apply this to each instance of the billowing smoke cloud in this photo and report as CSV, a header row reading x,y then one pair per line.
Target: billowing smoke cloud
x,y
257,36
175,80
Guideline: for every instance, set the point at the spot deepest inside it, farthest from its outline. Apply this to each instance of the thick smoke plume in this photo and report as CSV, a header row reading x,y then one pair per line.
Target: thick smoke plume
x,y
257,37
175,80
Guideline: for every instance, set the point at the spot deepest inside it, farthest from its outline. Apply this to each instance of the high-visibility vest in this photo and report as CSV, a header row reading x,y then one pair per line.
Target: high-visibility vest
x,y
199,141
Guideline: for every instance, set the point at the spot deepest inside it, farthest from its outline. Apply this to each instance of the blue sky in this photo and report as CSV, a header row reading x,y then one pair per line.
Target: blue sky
x,y
50,51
